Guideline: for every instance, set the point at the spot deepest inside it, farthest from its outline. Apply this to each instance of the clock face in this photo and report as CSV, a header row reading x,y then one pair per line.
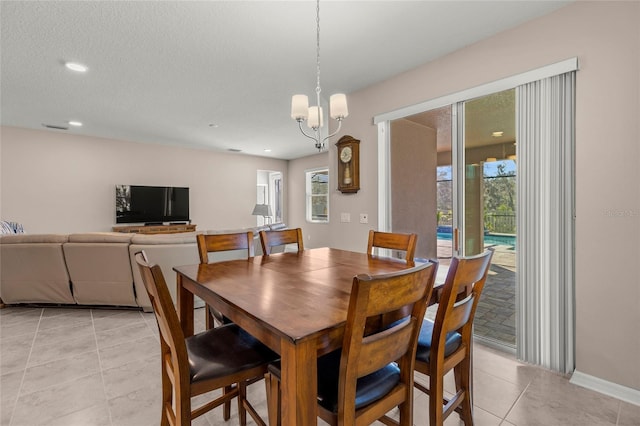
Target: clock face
x,y
345,154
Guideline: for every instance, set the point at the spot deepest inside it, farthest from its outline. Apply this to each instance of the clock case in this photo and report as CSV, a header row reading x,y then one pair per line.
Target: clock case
x,y
350,169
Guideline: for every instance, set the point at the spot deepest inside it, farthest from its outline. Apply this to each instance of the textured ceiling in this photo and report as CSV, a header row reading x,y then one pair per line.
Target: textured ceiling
x,y
165,71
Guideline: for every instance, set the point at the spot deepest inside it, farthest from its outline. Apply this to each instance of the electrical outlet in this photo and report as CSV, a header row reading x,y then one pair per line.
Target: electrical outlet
x,y
345,217
364,218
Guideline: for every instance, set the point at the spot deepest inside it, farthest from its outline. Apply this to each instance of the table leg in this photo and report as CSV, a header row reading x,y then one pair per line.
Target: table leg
x,y
299,383
185,307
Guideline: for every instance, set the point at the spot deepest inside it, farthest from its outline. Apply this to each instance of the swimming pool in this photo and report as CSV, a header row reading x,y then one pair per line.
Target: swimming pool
x,y
490,239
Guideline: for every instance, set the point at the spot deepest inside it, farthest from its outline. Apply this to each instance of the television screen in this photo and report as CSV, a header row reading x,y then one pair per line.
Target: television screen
x,y
151,204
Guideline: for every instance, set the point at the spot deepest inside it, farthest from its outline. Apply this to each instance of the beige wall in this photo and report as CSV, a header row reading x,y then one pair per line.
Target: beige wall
x,y
58,183
605,36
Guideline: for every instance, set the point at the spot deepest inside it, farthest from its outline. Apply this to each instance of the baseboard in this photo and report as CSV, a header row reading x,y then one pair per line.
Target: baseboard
x,y
615,390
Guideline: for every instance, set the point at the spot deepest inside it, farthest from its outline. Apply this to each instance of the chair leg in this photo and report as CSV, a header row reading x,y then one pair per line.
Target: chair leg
x,y
463,383
436,396
272,385
209,320
406,413
226,408
167,390
242,395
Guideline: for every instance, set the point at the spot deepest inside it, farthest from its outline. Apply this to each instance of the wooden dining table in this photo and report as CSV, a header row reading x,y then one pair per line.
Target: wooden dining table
x,y
294,302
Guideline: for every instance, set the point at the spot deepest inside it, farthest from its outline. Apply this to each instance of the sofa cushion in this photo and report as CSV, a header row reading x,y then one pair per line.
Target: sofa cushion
x,y
277,226
100,272
33,269
7,227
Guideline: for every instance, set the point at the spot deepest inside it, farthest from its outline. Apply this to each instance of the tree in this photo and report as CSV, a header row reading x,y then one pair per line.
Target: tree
x,y
500,200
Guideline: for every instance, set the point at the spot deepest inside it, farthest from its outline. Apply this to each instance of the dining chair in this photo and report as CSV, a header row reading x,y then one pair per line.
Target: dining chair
x,y
393,241
216,243
373,371
446,343
269,239
216,358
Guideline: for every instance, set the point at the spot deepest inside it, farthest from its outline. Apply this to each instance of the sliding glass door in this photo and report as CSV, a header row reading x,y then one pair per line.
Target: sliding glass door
x,y
475,203
485,207
463,155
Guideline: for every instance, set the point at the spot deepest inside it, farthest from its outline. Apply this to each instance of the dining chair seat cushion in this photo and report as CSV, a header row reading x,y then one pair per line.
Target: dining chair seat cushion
x,y
234,350
452,342
369,388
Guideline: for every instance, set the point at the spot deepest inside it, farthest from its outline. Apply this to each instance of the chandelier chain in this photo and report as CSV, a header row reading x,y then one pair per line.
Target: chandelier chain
x,y
300,104
318,48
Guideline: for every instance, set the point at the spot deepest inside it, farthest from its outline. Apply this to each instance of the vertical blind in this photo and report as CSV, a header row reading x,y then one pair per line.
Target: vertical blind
x,y
545,122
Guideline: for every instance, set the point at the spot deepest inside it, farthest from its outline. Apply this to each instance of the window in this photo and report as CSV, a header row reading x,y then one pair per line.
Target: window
x,y
317,182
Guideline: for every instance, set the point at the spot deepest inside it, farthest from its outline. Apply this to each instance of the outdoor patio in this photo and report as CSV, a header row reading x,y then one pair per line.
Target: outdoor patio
x,y
496,317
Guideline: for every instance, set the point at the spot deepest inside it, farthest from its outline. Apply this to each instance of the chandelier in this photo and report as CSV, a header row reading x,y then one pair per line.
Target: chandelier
x,y
300,110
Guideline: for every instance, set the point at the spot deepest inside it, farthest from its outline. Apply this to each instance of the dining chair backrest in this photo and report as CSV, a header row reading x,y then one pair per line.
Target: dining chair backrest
x,y
216,243
460,295
166,316
393,241
445,343
382,351
224,357
211,243
270,239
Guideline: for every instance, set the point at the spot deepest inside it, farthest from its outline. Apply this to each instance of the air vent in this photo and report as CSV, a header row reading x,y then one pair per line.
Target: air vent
x,y
234,150
53,126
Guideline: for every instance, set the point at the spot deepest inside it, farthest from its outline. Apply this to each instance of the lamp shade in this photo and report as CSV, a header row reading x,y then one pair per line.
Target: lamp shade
x,y
312,121
261,210
299,107
338,106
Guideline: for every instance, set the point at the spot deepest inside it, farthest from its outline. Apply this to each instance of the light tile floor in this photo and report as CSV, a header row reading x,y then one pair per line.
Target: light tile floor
x,y
101,367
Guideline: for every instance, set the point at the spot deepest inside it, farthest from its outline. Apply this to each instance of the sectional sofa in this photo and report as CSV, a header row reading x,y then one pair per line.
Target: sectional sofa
x,y
94,269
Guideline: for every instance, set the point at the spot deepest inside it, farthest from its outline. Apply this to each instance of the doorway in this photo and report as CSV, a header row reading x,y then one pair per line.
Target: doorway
x,y
487,218
474,202
545,332
270,196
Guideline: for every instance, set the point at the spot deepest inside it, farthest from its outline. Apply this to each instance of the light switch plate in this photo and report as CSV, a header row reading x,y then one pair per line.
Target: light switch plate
x,y
345,217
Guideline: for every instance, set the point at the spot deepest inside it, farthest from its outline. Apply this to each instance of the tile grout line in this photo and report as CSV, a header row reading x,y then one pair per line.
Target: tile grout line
x,y
104,387
24,371
504,419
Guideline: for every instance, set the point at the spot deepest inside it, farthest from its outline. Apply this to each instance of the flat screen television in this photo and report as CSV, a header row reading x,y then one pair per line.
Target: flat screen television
x,y
151,205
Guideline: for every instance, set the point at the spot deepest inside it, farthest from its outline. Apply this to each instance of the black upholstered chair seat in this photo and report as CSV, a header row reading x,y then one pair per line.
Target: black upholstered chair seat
x,y
453,341
369,389
236,350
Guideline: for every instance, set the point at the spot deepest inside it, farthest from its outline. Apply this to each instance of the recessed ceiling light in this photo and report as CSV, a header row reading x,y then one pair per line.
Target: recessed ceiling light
x,y
75,123
267,150
497,134
74,66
